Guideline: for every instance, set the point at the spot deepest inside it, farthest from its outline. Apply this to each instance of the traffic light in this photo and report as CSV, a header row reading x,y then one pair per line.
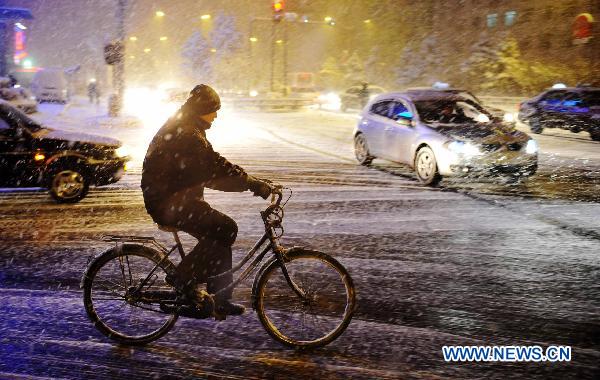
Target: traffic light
x,y
278,6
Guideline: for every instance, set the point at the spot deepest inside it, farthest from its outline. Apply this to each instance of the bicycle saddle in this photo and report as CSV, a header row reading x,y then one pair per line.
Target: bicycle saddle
x,y
167,228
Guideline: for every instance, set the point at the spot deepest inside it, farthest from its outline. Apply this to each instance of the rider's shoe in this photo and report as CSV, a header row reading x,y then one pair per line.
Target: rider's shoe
x,y
226,307
190,311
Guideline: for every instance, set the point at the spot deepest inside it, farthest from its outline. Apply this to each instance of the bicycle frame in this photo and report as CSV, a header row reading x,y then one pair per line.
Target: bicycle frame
x,y
269,235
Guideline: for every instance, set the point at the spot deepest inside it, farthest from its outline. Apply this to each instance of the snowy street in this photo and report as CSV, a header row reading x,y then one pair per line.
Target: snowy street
x,y
471,262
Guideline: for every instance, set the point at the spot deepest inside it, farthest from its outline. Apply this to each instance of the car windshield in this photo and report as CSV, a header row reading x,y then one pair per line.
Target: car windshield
x,y
591,98
455,111
20,118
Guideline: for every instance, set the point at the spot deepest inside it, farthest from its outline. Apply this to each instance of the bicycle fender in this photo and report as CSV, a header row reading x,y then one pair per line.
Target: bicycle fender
x,y
120,247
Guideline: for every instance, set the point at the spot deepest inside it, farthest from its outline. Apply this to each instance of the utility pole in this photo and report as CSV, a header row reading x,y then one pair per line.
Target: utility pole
x,y
115,103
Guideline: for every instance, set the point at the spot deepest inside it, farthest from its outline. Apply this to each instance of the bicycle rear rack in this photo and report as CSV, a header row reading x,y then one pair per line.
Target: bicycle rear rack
x,y
134,239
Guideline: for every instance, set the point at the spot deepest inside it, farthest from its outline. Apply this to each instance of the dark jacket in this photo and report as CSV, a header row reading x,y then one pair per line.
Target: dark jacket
x,y
180,158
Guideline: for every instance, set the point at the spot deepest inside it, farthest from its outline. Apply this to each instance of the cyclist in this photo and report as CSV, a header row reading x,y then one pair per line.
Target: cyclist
x,y
179,164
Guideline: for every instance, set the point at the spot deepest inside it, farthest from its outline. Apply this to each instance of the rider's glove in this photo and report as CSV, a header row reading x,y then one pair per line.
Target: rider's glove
x,y
259,187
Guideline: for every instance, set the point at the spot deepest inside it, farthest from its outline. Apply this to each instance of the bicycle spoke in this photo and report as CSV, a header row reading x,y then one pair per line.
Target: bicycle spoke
x,y
317,317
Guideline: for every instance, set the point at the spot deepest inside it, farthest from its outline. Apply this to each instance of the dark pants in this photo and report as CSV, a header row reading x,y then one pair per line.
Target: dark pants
x,y
216,233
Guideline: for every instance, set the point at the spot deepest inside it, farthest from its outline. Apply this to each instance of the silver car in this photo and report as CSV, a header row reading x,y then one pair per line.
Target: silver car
x,y
442,134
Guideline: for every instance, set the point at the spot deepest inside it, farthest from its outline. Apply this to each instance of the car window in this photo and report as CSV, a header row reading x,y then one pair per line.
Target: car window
x,y
16,118
591,99
553,97
572,100
382,108
400,111
5,129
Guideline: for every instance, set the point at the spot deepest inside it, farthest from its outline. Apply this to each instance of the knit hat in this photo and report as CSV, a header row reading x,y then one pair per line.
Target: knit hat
x,y
203,100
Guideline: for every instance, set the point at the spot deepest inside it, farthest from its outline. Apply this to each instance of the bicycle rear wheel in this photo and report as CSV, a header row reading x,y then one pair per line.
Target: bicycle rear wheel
x,y
118,305
315,319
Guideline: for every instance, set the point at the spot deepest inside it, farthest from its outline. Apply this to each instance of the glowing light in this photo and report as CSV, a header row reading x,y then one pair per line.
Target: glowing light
x,y
253,93
253,39
205,17
482,118
27,64
328,19
279,41
39,156
160,14
20,26
531,147
122,151
132,57
133,38
213,50
509,117
93,80
559,85
147,50
330,101
368,21
163,38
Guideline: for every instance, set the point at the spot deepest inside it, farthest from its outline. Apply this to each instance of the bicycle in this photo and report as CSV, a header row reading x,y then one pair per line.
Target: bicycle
x,y
303,298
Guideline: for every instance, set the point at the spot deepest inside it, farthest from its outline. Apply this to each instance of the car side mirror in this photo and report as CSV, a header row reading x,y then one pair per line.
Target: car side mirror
x,y
404,121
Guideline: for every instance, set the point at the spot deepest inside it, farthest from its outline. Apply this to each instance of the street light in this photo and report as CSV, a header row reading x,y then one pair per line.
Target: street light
x,y
147,50
160,14
205,17
133,38
163,38
253,39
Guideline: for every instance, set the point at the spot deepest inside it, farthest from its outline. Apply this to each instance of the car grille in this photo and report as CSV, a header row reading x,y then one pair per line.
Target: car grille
x,y
495,147
490,147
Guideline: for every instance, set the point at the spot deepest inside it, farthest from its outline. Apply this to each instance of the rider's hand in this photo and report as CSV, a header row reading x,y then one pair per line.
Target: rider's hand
x,y
259,187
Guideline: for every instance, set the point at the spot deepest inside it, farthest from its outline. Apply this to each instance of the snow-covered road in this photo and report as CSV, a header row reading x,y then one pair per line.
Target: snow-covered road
x,y
467,263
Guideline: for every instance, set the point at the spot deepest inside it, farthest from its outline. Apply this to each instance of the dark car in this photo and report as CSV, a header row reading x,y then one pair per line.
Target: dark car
x,y
65,163
573,108
353,98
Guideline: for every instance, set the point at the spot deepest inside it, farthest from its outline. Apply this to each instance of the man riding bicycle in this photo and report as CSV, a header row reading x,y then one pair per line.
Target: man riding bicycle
x,y
179,164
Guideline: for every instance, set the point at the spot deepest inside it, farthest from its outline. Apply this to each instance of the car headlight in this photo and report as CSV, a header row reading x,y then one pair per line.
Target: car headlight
x,y
509,117
122,151
531,147
465,148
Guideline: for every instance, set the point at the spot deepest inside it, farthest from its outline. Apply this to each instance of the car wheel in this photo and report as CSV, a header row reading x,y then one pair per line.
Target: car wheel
x,y
68,185
535,125
361,150
426,167
595,135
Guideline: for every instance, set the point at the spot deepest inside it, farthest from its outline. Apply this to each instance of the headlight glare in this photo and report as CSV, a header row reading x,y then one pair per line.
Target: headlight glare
x,y
531,147
464,148
122,151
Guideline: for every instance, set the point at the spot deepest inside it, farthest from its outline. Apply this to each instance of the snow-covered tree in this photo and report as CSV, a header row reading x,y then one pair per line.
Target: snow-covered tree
x,y
502,69
229,58
330,76
353,69
420,64
196,58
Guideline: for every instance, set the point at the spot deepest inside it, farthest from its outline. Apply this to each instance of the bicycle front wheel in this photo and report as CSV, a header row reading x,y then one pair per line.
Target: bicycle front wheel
x,y
320,313
122,292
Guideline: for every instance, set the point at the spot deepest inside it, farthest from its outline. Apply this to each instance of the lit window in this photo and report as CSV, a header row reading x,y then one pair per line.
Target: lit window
x,y
492,20
510,17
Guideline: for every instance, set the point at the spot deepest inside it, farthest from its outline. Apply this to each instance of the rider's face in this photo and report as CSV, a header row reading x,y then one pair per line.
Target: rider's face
x,y
209,117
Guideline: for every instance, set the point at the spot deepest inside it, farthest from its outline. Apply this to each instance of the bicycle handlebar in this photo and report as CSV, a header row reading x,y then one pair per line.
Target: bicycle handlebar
x,y
276,195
